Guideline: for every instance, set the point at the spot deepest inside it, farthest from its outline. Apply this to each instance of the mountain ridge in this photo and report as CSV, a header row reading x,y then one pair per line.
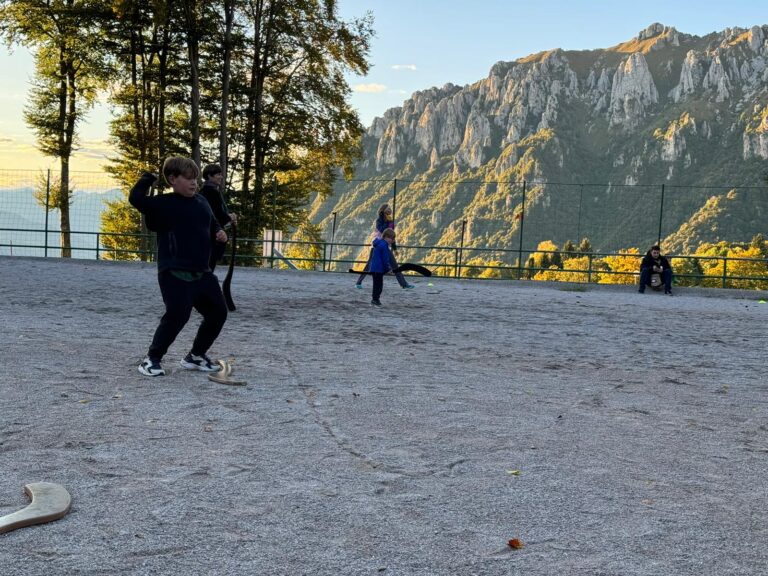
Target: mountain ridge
x,y
662,108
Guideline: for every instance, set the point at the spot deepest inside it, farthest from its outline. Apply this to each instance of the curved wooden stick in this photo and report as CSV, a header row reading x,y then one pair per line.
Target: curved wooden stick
x,y
223,375
49,502
227,286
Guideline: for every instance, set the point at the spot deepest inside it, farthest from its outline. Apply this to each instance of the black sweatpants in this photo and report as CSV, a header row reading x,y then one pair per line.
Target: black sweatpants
x,y
180,297
378,285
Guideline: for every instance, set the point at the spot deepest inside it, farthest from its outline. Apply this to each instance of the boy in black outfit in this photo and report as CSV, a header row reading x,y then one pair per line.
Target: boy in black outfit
x,y
211,191
185,225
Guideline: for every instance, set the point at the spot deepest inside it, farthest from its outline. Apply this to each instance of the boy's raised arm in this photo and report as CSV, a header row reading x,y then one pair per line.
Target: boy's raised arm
x,y
138,196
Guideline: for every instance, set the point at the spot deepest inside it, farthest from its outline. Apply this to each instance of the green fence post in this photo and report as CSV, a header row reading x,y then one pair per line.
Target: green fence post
x,y
460,252
47,204
97,245
661,213
578,220
520,246
394,197
333,238
325,254
725,267
455,262
274,222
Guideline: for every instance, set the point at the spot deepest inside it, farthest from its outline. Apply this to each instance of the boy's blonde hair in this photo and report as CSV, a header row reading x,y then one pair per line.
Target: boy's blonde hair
x,y
388,233
180,166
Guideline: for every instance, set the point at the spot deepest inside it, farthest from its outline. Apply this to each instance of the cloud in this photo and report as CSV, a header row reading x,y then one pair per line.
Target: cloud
x,y
411,67
398,91
370,88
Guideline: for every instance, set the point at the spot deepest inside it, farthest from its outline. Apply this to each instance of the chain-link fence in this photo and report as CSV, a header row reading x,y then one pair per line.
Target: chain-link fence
x,y
30,222
494,229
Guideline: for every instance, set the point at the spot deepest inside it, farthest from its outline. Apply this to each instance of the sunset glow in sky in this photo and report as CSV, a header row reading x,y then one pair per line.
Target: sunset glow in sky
x,y
417,45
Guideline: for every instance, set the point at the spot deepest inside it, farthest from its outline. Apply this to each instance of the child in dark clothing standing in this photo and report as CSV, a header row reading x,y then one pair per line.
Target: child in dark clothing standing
x,y
185,225
211,191
381,259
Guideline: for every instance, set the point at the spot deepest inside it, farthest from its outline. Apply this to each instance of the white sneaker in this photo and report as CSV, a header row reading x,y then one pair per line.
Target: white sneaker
x,y
202,363
150,367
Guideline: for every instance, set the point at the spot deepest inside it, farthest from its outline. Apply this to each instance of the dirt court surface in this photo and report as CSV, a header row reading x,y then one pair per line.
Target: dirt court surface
x,y
611,433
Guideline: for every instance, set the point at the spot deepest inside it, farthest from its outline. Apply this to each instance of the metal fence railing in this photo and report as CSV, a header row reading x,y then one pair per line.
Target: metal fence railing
x,y
477,230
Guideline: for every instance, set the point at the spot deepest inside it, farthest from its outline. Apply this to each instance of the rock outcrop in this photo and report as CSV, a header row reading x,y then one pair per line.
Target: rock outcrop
x,y
662,107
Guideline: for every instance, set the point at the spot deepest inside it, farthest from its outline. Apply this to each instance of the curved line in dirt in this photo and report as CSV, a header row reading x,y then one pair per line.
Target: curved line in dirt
x,y
310,394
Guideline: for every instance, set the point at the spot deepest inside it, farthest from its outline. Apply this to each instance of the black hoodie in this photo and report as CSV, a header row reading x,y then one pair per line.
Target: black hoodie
x,y
211,192
184,226
649,262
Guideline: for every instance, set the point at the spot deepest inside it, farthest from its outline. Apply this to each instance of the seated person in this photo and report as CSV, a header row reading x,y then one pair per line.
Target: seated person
x,y
654,263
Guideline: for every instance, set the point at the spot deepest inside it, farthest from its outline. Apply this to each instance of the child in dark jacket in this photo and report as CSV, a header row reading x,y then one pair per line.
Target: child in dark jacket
x,y
185,225
211,191
381,262
385,220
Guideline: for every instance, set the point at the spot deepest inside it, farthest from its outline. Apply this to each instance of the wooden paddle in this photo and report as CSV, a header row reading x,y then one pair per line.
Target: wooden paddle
x,y
227,287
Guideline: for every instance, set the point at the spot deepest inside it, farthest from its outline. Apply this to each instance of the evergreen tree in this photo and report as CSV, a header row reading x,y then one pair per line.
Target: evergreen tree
x,y
306,246
148,95
585,246
65,38
297,125
758,242
555,260
569,250
273,110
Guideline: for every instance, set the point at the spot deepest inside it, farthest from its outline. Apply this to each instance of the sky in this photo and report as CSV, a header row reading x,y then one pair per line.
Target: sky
x,y
418,44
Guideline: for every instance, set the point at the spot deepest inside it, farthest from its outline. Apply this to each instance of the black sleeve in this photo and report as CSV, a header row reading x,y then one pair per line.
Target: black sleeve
x,y
217,204
147,205
215,226
138,195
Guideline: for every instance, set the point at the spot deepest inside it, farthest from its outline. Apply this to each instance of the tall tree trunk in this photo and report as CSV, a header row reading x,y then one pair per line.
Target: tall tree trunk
x,y
254,137
226,77
193,49
137,117
63,199
139,101
69,140
252,227
245,185
260,138
161,147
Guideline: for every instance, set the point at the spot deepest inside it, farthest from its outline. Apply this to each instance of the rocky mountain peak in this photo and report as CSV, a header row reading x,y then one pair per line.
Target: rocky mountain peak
x,y
662,107
655,29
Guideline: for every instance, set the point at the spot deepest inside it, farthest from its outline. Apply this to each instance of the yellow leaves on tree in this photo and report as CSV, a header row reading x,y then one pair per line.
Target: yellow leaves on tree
x,y
624,266
744,274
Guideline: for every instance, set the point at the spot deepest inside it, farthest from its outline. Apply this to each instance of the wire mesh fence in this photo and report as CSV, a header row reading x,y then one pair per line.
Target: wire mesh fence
x,y
30,221
485,229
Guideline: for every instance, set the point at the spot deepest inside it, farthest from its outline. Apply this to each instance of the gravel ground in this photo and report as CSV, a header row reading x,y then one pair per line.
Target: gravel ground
x,y
611,433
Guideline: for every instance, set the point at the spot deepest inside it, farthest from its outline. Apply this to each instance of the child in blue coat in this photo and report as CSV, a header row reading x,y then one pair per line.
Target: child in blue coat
x,y
380,264
384,221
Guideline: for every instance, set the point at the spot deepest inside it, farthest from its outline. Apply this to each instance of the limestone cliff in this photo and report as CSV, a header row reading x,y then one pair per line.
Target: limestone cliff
x,y
662,108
